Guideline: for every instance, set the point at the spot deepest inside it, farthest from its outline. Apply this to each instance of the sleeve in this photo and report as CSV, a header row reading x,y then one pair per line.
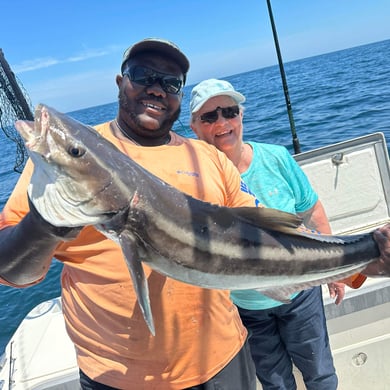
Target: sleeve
x,y
16,206
6,283
238,192
305,195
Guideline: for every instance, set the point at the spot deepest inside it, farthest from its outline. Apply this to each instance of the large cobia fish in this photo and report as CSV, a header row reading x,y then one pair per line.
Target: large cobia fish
x,y
82,179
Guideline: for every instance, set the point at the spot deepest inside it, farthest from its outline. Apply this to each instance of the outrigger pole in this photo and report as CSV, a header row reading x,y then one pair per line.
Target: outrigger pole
x,y
297,148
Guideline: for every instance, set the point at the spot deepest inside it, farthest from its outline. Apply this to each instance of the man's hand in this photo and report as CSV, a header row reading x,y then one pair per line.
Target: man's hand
x,y
380,267
336,291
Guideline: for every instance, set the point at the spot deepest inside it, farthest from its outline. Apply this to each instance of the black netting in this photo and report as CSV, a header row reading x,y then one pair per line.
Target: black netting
x,y
14,104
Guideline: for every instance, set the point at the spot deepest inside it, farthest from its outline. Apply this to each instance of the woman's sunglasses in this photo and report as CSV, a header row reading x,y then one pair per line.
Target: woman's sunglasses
x,y
147,77
227,112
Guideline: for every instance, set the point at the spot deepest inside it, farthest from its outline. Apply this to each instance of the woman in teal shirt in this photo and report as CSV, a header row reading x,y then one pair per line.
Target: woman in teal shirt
x,y
280,334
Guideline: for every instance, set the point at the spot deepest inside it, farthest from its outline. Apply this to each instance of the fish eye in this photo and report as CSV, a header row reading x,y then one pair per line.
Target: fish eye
x,y
76,150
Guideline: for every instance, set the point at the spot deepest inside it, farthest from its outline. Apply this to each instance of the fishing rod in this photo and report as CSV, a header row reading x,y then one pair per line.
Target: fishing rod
x,y
295,140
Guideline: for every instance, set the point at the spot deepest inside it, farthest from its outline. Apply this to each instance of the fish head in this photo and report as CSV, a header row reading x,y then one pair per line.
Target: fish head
x,y
73,179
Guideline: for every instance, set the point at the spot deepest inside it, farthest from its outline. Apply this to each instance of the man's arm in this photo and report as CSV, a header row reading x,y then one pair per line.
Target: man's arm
x,y
315,218
26,249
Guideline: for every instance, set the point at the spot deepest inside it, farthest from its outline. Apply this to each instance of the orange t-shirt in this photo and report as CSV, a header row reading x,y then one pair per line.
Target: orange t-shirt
x,y
198,331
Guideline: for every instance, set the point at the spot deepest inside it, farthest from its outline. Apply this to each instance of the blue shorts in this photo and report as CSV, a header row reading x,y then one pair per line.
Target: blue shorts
x,y
292,333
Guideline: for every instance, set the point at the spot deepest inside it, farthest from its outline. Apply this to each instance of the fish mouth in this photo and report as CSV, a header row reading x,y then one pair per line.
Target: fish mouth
x,y
29,133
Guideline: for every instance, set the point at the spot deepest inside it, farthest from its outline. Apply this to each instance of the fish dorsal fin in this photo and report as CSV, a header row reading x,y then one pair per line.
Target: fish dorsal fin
x,y
288,223
268,218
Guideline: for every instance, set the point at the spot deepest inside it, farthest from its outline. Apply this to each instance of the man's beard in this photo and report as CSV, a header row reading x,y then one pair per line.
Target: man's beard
x,y
168,123
165,127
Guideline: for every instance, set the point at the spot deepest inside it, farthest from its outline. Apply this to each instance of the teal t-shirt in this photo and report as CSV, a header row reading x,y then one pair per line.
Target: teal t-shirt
x,y
278,182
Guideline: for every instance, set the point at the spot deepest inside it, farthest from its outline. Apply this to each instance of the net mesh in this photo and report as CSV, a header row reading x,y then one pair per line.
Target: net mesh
x,y
14,104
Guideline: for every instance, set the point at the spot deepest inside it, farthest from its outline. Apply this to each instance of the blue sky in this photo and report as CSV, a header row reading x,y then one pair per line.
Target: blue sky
x,y
68,53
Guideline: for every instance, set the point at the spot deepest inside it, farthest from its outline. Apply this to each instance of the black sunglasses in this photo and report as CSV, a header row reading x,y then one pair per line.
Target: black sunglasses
x,y
227,113
147,77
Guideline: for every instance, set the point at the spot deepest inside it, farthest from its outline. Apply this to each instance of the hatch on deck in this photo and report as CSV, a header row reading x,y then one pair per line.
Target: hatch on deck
x,y
352,179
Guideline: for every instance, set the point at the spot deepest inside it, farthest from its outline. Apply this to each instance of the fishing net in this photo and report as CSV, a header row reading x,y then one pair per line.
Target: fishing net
x,y
14,104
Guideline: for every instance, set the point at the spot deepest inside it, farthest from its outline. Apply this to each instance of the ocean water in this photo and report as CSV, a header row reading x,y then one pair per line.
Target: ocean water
x,y
334,97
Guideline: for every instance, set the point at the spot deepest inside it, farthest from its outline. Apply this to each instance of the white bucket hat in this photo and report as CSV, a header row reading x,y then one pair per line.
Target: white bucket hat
x,y
210,88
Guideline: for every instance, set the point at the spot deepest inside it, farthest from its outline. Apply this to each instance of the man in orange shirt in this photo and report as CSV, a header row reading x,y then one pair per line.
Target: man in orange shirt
x,y
200,342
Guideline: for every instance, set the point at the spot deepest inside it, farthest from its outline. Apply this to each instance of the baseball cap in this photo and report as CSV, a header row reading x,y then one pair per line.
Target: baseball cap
x,y
161,46
210,88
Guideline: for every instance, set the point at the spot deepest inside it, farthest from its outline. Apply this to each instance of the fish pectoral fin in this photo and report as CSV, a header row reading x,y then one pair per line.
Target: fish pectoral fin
x,y
129,249
268,218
